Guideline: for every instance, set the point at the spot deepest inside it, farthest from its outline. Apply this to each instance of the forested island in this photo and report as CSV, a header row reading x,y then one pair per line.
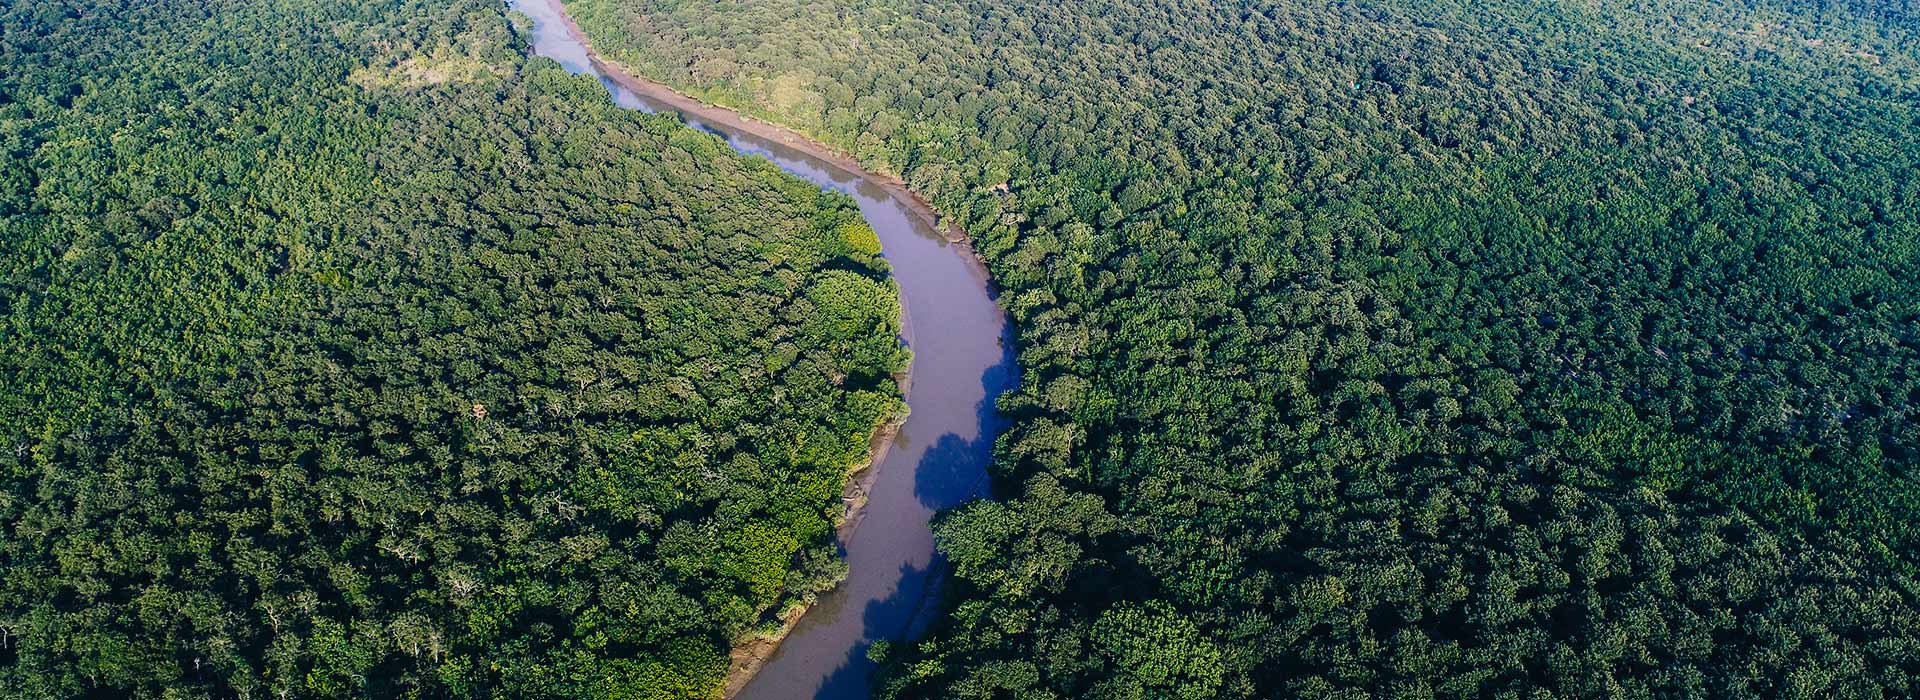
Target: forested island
x,y
1401,348
345,351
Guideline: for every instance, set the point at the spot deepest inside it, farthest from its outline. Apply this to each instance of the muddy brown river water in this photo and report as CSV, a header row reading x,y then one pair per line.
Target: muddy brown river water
x,y
962,359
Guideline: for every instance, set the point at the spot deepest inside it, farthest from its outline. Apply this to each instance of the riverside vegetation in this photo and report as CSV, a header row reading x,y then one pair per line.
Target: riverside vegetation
x,y
1402,348
346,352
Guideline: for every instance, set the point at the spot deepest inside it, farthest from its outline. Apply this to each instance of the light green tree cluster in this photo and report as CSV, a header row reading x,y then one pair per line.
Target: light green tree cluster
x,y
347,352
1404,348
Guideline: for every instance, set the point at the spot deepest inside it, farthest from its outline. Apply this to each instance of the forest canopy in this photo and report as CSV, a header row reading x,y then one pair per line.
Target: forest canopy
x,y
346,352
1401,348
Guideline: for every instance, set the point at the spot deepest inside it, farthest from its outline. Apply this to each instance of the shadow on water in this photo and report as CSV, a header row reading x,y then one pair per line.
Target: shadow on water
x,y
963,362
952,472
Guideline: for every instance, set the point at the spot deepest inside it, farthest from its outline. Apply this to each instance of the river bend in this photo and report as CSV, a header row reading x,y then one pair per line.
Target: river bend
x,y
961,360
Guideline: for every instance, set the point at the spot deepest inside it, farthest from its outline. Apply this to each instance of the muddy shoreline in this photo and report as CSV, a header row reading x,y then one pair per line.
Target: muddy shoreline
x,y
731,119
746,658
750,655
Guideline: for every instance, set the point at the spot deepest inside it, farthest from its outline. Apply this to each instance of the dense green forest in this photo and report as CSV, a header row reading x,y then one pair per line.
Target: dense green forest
x,y
345,352
1401,348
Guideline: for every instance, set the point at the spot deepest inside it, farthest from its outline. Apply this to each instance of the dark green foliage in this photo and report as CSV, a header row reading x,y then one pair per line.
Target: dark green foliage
x,y
346,353
1403,348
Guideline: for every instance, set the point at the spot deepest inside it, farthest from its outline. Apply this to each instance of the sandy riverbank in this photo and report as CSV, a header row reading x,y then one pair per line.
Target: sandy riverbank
x,y
751,654
731,119
748,656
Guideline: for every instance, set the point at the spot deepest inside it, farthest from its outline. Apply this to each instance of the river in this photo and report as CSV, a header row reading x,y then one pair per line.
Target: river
x,y
962,358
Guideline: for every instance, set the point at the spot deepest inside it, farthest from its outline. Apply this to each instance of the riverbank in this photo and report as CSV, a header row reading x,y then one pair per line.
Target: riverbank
x,y
749,656
730,119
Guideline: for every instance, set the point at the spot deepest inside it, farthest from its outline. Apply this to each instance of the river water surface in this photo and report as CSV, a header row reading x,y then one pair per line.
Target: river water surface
x,y
961,360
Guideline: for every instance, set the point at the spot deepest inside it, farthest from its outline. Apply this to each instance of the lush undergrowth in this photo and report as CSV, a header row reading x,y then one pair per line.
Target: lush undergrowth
x,y
344,352
1402,348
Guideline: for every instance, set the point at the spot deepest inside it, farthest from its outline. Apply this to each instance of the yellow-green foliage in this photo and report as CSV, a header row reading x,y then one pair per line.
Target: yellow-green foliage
x,y
759,556
681,672
1418,348
846,309
348,353
860,237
